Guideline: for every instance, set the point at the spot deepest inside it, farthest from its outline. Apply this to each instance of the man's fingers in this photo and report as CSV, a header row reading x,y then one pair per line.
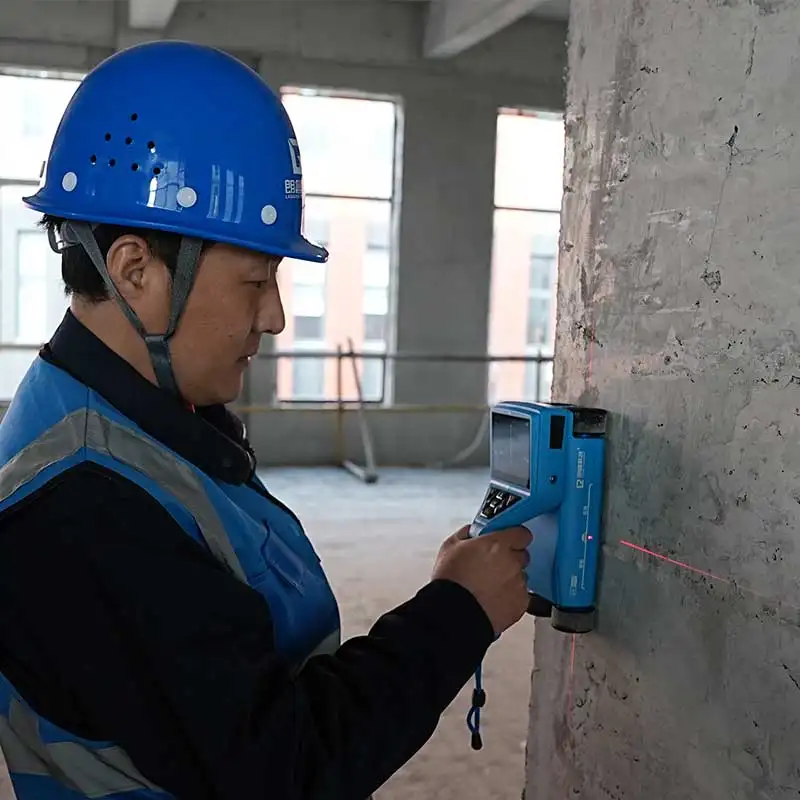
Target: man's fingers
x,y
517,538
458,536
523,537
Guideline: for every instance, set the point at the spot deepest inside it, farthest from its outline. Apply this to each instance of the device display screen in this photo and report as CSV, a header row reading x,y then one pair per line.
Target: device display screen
x,y
511,450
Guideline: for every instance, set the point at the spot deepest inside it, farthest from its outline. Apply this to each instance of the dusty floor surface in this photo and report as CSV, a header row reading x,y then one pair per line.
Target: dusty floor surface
x,y
378,544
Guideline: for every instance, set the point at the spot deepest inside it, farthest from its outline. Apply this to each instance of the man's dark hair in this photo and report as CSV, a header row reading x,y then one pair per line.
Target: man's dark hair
x,y
80,275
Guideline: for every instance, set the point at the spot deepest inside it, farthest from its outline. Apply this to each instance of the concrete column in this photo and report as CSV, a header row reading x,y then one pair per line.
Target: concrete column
x,y
445,245
679,310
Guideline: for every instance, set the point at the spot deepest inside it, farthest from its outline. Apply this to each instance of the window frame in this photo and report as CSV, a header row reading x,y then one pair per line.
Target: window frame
x,y
13,352
544,350
393,201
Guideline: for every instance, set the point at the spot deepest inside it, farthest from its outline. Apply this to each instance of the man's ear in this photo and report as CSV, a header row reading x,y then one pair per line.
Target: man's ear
x,y
131,266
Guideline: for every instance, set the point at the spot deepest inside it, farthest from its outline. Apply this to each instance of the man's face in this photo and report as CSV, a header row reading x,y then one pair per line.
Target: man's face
x,y
234,301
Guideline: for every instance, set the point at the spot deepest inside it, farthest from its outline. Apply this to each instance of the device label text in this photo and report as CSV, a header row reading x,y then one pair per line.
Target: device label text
x,y
580,469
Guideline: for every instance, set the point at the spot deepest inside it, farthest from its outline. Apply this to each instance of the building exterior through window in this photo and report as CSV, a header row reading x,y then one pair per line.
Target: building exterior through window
x,y
528,189
348,176
32,300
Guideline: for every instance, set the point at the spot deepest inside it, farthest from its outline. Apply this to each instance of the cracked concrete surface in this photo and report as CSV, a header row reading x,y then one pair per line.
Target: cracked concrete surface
x,y
679,310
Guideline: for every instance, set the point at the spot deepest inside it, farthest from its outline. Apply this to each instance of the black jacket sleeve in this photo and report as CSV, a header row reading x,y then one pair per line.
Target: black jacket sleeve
x,y
118,626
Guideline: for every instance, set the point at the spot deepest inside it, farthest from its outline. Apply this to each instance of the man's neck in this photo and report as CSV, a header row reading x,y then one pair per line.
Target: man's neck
x,y
107,322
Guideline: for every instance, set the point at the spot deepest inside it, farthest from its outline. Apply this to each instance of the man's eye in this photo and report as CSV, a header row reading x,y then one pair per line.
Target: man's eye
x,y
259,284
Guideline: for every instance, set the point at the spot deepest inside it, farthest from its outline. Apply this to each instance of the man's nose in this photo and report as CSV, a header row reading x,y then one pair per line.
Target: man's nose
x,y
271,318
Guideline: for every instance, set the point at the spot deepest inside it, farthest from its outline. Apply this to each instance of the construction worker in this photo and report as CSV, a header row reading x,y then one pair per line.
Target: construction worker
x,y
167,629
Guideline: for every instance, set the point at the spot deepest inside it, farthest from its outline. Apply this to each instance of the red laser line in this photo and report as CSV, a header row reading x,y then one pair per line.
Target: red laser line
x,y
711,575
571,679
570,686
570,683
669,560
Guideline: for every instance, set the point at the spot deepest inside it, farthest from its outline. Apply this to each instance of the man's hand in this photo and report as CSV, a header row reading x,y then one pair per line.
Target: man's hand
x,y
492,567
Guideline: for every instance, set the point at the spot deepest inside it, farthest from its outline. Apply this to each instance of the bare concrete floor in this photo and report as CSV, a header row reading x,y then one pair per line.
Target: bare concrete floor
x,y
378,544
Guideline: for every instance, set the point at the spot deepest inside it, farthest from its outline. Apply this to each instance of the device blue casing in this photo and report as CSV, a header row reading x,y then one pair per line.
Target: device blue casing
x,y
563,507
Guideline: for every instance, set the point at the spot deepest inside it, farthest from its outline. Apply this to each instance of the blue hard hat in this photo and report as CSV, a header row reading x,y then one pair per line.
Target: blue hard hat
x,y
180,137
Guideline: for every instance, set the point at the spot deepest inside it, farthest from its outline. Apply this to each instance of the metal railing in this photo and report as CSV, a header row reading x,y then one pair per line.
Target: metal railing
x,y
341,354
363,406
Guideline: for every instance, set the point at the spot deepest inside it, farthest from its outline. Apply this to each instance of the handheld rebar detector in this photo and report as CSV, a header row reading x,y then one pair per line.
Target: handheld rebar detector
x,y
547,472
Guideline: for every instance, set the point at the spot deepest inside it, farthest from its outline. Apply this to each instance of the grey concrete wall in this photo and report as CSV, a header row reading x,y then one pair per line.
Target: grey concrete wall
x,y
447,169
679,308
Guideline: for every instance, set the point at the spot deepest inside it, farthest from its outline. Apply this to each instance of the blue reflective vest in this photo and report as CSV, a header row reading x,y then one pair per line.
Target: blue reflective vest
x,y
55,422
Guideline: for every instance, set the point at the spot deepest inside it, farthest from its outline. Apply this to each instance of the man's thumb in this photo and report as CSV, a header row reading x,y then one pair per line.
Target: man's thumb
x,y
460,535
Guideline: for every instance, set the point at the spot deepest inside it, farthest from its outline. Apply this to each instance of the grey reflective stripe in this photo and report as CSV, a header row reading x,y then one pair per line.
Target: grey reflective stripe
x,y
328,646
93,773
98,773
90,428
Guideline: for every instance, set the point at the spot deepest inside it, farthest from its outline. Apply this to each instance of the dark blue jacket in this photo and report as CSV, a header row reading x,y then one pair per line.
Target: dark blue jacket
x,y
160,608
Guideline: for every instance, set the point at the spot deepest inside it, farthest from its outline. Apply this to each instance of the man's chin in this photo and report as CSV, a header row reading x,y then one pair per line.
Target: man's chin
x,y
235,390
224,392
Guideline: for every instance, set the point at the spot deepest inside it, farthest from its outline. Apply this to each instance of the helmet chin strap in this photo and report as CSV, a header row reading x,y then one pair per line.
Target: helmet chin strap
x,y
182,282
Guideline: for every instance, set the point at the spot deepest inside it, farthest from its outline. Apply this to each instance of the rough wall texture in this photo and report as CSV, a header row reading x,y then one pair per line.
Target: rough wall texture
x,y
679,311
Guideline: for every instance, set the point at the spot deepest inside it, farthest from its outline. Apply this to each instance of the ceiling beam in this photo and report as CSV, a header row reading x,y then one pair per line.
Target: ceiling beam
x,y
150,14
456,25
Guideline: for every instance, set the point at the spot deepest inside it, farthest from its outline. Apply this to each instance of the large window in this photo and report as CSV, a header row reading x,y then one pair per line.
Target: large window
x,y
347,147
308,321
376,277
32,300
32,247
528,189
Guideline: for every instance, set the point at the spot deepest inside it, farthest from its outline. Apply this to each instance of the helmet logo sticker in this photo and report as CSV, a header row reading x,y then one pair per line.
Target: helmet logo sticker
x,y
293,188
269,215
294,151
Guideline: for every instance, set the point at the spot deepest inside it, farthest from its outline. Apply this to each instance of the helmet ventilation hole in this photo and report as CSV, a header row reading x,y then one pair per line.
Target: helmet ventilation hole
x,y
215,185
